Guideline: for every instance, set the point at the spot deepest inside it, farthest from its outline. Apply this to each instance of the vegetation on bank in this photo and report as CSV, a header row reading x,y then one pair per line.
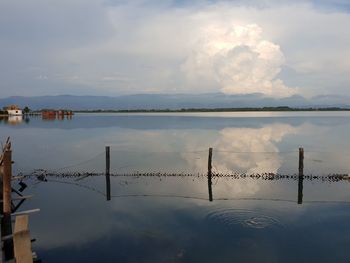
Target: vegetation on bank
x,y
280,108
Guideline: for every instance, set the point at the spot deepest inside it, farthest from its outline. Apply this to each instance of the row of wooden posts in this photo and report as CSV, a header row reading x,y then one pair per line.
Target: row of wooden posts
x,y
301,161
210,174
16,245
300,177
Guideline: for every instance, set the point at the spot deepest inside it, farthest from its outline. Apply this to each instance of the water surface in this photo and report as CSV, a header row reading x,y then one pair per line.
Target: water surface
x,y
171,218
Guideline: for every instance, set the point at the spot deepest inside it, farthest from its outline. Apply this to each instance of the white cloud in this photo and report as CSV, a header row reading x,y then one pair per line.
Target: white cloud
x,y
239,59
234,47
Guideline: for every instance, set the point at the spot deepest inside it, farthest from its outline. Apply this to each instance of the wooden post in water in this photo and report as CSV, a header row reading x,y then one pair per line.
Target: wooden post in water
x,y
210,160
301,161
300,189
6,225
1,185
108,180
301,176
210,174
6,187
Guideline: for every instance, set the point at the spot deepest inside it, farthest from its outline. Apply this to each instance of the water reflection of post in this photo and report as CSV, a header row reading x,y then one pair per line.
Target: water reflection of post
x,y
301,176
108,180
209,175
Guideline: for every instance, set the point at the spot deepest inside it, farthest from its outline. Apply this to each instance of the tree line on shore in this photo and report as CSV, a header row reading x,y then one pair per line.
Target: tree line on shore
x,y
280,108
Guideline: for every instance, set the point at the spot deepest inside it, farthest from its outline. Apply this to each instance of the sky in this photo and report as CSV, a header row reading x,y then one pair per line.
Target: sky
x,y
116,47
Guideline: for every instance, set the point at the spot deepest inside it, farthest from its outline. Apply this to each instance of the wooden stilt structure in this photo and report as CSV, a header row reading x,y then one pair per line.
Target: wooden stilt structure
x,y
16,246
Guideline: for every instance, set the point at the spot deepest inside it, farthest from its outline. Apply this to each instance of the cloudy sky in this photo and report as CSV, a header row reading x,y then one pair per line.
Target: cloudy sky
x,y
114,47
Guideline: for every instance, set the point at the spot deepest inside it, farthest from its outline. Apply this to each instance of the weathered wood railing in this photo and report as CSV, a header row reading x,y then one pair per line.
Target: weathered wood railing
x,y
15,244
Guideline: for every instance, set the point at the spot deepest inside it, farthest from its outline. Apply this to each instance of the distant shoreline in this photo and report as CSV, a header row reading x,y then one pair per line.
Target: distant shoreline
x,y
199,110
263,109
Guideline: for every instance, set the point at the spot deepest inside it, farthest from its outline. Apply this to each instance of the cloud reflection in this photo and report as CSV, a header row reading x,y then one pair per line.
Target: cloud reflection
x,y
246,150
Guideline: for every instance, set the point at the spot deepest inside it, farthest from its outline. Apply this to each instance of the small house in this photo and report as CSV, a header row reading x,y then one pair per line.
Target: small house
x,y
13,110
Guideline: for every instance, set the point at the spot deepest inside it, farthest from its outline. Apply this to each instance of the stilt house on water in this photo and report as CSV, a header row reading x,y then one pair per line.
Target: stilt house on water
x,y
13,110
52,114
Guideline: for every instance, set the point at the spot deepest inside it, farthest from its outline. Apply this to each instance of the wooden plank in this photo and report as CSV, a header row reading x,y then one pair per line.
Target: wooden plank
x,y
25,212
21,223
21,240
20,198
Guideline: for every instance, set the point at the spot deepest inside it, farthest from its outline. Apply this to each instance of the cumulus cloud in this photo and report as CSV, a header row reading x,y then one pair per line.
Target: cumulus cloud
x,y
170,47
240,59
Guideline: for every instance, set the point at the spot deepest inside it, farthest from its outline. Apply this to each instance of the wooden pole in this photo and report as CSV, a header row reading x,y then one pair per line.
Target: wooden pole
x,y
301,161
1,186
6,187
300,189
107,159
210,191
301,175
6,225
209,160
108,180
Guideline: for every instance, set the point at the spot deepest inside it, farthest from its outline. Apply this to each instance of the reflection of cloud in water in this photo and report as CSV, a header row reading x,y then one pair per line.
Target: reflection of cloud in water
x,y
232,154
260,141
246,150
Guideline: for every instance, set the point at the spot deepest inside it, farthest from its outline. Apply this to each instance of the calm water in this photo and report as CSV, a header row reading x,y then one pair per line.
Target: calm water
x,y
170,219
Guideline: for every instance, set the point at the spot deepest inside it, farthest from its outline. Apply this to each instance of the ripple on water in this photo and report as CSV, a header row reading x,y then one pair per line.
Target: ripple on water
x,y
244,217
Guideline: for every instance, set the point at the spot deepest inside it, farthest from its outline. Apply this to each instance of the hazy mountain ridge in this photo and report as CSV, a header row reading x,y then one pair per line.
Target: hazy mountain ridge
x,y
172,101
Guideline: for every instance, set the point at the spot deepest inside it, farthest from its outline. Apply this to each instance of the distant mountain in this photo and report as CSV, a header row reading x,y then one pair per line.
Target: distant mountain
x,y
171,101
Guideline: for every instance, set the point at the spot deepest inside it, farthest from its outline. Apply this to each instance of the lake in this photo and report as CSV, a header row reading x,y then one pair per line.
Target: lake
x,y
151,217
